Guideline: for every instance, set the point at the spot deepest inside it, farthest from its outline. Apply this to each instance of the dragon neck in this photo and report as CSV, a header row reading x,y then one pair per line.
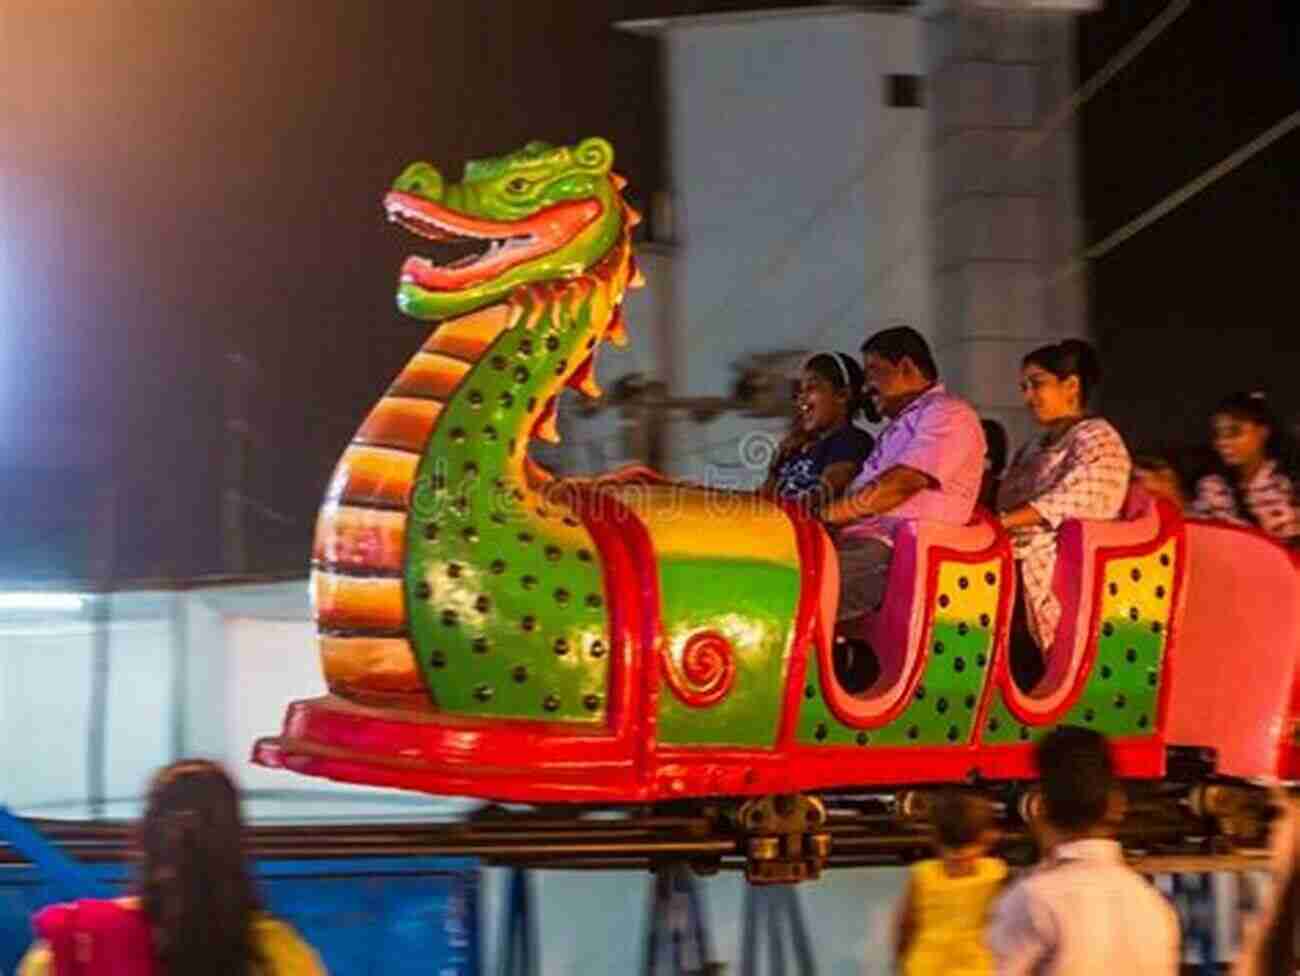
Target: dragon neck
x,y
502,370
443,575
498,578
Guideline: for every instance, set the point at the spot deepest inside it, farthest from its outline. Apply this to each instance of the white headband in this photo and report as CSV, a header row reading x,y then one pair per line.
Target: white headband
x,y
839,361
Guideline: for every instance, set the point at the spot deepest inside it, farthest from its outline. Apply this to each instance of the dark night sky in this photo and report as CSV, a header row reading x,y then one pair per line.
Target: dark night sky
x,y
180,179
1203,302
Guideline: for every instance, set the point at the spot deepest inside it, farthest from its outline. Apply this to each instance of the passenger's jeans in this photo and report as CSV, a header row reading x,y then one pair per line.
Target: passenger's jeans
x,y
864,569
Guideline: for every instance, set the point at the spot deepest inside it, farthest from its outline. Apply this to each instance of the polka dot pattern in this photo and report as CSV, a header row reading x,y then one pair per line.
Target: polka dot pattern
x,y
960,644
1122,692
506,618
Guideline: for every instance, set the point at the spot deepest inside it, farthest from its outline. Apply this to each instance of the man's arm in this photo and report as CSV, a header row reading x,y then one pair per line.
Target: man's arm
x,y
1020,933
1022,517
886,493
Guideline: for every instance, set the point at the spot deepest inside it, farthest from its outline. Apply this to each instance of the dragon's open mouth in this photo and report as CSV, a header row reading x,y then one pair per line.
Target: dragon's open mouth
x,y
463,251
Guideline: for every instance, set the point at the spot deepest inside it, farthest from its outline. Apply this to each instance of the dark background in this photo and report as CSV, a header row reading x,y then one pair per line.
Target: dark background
x,y
1203,302
189,219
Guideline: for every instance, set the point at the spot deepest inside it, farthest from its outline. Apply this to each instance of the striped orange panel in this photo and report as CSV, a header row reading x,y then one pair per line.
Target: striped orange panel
x,y
429,374
374,476
400,422
379,664
360,538
348,603
468,336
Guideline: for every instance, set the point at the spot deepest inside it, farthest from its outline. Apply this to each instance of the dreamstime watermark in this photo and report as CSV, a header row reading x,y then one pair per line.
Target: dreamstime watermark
x,y
447,493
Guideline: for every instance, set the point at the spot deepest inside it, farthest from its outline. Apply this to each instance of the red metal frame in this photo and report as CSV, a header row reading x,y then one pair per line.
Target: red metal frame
x,y
621,762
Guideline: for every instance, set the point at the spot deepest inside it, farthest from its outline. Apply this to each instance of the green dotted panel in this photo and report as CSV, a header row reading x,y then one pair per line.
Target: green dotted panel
x,y
1121,693
506,602
753,604
942,710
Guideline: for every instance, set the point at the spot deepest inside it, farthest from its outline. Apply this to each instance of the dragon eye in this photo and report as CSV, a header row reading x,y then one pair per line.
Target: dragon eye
x,y
517,185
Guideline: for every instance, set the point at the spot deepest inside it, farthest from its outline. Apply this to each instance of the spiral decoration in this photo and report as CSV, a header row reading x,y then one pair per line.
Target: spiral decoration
x,y
594,154
707,671
757,449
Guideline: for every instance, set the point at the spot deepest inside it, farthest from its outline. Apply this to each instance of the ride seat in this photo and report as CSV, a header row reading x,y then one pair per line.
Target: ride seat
x,y
1083,545
897,631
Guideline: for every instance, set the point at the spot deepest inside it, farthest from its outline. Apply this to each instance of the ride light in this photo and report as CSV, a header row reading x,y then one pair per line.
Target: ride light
x,y
41,600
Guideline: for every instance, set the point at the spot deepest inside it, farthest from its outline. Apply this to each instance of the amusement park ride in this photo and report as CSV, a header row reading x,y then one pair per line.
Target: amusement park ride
x,y
647,665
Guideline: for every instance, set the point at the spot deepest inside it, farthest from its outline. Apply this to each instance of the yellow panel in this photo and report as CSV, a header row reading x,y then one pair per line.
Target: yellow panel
x,y
1151,592
978,596
685,521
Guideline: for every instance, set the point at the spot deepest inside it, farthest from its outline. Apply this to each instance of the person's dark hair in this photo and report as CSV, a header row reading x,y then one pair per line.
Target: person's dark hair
x,y
1073,357
842,373
1255,408
995,438
960,818
1076,777
194,885
1280,447
1154,461
903,342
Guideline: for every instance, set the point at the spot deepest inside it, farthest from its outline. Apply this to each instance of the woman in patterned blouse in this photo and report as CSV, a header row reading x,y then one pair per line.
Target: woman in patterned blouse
x,y
1253,482
1077,468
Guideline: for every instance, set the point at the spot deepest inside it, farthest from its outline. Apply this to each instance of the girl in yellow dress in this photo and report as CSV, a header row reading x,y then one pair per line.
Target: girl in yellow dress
x,y
941,918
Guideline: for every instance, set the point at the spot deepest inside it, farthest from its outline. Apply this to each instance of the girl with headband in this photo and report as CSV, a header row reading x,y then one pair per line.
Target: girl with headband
x,y
822,454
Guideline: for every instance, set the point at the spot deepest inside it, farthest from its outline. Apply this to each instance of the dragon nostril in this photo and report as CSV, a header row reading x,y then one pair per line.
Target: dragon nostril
x,y
420,179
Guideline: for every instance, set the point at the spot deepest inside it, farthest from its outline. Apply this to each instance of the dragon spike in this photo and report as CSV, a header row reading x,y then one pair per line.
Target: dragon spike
x,y
633,218
544,427
539,297
584,378
535,475
616,331
618,179
636,279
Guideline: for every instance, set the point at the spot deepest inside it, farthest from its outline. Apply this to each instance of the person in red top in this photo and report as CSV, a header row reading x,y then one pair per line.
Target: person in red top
x,y
196,911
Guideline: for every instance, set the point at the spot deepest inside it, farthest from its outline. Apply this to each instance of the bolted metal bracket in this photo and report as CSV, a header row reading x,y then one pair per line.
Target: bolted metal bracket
x,y
785,838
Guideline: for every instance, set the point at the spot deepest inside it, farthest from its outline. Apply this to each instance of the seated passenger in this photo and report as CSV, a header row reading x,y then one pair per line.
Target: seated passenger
x,y
1077,468
824,451
1159,478
927,464
995,462
1253,482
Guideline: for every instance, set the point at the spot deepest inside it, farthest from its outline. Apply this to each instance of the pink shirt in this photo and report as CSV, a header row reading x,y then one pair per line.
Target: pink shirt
x,y
939,435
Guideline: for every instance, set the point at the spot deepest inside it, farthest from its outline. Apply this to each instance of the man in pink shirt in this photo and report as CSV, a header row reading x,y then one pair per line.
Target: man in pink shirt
x,y
928,463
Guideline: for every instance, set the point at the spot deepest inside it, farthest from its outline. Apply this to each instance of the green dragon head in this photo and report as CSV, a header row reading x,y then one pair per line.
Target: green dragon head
x,y
539,213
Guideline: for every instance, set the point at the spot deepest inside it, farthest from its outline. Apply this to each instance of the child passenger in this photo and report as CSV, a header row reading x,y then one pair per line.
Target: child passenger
x,y
825,450
942,917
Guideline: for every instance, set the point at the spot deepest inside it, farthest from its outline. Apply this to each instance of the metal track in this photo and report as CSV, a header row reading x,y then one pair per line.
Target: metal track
x,y
864,832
